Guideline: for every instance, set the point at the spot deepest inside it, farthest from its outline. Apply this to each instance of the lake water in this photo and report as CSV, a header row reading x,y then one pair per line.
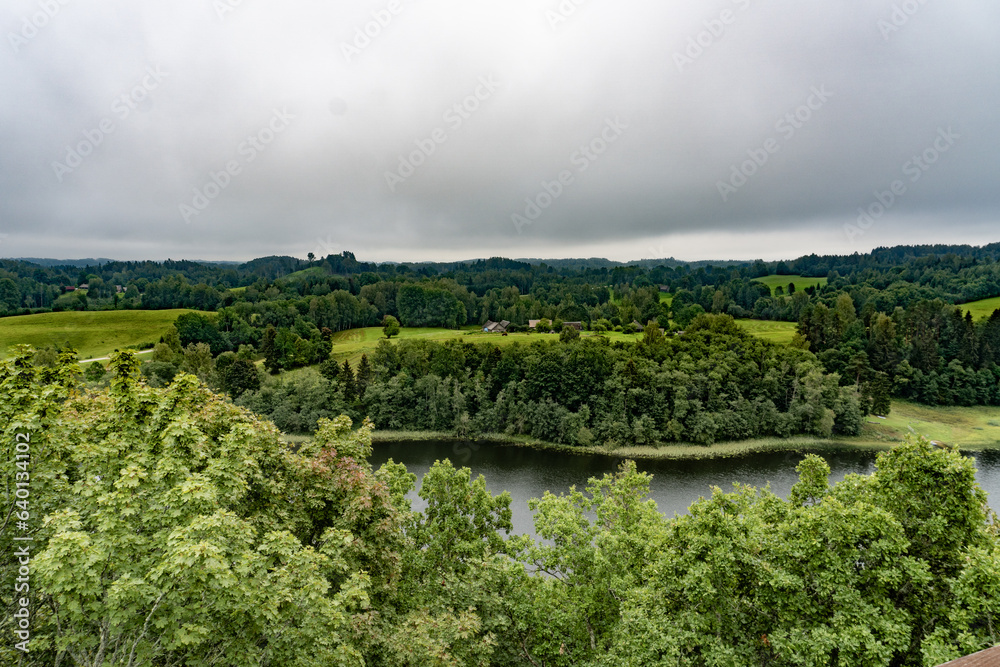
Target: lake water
x,y
527,473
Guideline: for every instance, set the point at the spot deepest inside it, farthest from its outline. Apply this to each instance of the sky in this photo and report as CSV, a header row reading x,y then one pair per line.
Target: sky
x,y
409,130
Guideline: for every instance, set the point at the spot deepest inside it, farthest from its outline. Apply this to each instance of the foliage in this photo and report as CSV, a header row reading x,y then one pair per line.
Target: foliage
x,y
171,527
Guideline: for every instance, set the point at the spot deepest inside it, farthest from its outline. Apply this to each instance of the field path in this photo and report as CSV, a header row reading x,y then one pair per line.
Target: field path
x,y
87,361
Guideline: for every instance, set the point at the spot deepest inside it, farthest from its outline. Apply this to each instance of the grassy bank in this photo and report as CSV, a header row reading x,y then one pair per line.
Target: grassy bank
x,y
800,282
92,333
969,429
981,309
672,451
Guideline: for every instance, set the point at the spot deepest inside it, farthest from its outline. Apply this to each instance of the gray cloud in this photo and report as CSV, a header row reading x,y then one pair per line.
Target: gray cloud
x,y
700,88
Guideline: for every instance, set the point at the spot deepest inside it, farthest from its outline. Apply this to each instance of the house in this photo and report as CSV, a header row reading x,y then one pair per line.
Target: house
x,y
576,325
639,327
496,327
990,656
532,324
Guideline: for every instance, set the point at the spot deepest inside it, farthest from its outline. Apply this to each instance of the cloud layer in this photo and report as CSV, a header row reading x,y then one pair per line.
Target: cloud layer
x,y
462,128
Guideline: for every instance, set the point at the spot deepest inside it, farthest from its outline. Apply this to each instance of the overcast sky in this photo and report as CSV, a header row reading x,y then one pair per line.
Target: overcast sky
x,y
452,129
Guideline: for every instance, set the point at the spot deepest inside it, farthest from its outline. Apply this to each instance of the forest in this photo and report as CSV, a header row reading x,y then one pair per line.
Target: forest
x,y
168,526
873,327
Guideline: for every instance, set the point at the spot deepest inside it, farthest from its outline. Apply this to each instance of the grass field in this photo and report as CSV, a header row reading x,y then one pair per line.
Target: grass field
x,y
92,334
776,332
800,282
981,309
351,344
965,427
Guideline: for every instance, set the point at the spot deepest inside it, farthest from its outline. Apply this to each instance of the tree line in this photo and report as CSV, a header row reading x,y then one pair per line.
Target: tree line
x,y
169,526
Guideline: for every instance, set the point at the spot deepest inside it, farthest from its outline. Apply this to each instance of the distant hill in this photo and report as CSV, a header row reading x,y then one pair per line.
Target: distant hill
x,y
79,263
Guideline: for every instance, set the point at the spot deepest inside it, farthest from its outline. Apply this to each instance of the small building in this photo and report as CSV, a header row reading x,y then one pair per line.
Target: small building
x,y
575,325
638,327
532,324
990,656
496,327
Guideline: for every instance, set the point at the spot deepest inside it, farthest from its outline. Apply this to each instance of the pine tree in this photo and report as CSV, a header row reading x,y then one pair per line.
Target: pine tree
x,y
347,380
364,376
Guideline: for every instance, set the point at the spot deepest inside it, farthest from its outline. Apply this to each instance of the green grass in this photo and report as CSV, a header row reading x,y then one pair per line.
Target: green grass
x,y
351,344
311,272
800,282
776,332
93,334
981,309
666,298
968,428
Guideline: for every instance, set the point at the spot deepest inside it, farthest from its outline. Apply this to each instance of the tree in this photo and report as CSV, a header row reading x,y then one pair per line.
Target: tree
x,y
189,533
569,334
347,381
241,376
543,326
329,369
363,377
95,372
10,295
390,326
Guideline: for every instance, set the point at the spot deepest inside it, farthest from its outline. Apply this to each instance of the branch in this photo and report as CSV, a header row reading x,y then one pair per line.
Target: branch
x,y
145,627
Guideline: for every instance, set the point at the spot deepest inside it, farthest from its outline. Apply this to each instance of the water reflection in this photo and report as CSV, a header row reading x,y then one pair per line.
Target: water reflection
x,y
528,473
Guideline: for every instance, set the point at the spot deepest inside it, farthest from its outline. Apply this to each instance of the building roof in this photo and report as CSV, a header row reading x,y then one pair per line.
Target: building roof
x,y
988,658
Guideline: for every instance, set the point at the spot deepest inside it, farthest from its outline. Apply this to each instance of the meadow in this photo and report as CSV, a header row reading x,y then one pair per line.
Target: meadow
x,y
800,282
982,309
92,333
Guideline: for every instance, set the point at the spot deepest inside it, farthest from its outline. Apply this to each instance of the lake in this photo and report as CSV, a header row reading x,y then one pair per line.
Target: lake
x,y
527,473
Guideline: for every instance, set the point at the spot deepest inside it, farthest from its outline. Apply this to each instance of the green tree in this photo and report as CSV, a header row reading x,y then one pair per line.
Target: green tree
x,y
241,376
348,381
179,529
390,326
569,334
95,372
363,378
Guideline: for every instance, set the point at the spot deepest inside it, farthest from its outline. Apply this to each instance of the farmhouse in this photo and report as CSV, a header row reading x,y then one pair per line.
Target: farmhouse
x,y
496,327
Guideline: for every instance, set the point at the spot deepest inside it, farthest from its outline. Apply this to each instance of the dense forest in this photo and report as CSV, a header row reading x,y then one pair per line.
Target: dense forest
x,y
169,527
715,382
881,324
